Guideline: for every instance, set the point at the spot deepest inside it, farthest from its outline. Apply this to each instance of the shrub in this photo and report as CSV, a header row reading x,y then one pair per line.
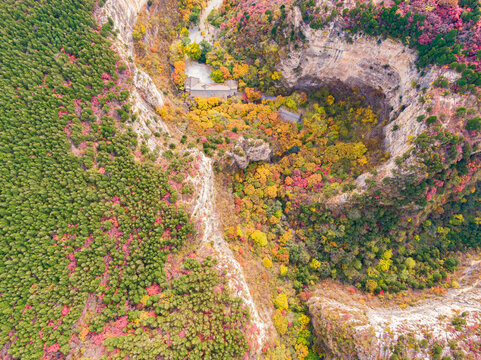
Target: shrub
x,y
260,239
280,322
441,82
473,124
371,285
194,51
217,76
281,302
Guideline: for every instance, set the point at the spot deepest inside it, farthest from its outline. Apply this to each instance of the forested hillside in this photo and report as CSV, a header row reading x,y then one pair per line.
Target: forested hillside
x,y
321,204
341,177
87,223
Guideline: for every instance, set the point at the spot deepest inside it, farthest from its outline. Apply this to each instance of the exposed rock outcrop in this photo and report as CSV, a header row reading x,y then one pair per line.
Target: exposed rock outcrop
x,y
213,239
352,326
147,89
124,14
249,150
145,95
385,73
383,70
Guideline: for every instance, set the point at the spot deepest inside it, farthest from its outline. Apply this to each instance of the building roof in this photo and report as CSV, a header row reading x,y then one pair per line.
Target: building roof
x,y
288,115
192,83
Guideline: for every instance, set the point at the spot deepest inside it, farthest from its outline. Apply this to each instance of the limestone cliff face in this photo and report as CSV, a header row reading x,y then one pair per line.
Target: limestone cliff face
x,y
145,95
384,71
351,325
248,150
387,68
124,14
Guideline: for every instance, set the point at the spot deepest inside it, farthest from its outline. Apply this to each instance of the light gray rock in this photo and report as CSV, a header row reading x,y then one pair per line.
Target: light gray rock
x,y
124,14
383,70
147,89
249,150
349,328
145,95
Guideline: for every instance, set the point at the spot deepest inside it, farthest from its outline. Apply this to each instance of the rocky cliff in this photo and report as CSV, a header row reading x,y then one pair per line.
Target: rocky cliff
x,y
124,14
248,150
351,325
383,70
145,95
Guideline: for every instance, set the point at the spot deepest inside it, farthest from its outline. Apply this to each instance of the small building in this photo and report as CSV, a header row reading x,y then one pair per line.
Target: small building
x,y
268,97
196,89
289,116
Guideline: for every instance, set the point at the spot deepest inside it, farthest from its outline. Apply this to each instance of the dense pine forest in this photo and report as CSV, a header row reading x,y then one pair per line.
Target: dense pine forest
x,y
85,227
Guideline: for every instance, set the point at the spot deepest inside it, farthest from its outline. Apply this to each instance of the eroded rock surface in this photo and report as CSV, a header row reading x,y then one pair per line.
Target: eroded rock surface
x,y
145,95
383,70
249,150
147,89
352,326
124,14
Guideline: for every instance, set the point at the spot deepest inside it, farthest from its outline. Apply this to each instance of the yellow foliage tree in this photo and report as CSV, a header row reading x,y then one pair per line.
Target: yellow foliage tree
x,y
267,262
271,191
301,351
225,73
371,285
252,94
280,322
281,302
286,236
260,239
315,264
239,70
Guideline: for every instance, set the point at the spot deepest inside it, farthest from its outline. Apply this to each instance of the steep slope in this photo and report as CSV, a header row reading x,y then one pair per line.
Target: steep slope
x,y
92,219
385,72
145,95
147,98
352,326
124,15
205,211
407,219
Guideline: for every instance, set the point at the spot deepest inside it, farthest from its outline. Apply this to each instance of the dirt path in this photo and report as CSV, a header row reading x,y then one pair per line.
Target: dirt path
x,y
203,31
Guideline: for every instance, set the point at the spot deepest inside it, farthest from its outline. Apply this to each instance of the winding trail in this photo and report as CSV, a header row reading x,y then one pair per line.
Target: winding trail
x,y
205,211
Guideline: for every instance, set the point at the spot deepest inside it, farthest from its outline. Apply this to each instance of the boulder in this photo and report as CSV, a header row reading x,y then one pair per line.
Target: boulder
x,y
249,150
147,89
